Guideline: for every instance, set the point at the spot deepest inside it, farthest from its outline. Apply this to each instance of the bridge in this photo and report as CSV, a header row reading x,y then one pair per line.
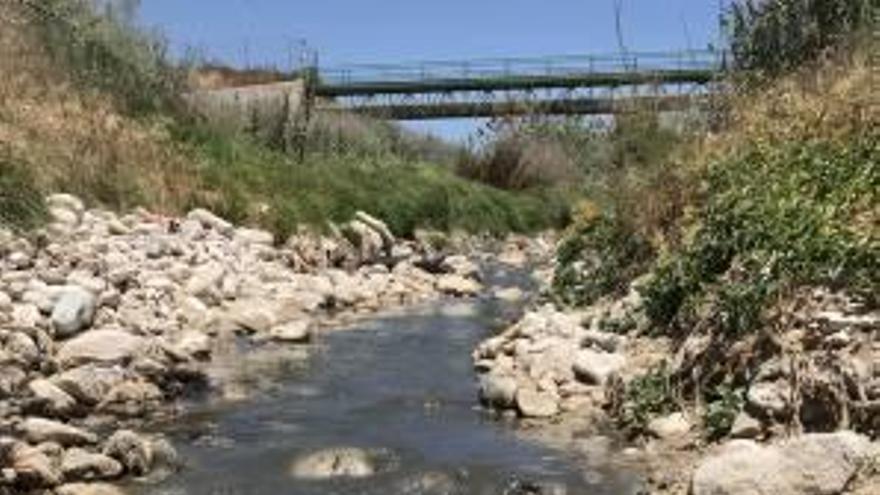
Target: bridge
x,y
562,85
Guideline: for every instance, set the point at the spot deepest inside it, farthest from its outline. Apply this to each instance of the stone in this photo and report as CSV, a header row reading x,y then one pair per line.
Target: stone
x,y
745,426
89,385
368,242
88,489
347,462
298,331
194,343
33,468
132,398
205,279
813,464
5,302
133,451
101,347
19,260
596,367
79,464
771,398
12,378
460,265
73,312
254,316
22,348
254,237
211,221
38,430
457,285
674,426
534,404
379,227
55,400
498,390
509,294
67,202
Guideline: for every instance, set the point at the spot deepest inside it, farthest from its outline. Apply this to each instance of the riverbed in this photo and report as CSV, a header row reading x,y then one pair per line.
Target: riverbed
x,y
401,386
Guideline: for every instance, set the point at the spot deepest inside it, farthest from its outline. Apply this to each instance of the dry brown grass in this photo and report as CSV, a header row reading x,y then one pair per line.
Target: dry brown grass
x,y
77,141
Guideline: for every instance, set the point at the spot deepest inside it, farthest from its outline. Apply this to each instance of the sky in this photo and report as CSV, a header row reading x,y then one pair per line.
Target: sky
x,y
271,32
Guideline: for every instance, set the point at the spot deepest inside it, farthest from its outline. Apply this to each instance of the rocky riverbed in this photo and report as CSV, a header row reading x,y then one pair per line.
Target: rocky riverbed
x,y
808,422
107,321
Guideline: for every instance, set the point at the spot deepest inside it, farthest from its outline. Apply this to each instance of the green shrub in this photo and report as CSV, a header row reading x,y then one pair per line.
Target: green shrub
x,y
596,259
100,52
777,36
790,216
725,403
647,396
21,204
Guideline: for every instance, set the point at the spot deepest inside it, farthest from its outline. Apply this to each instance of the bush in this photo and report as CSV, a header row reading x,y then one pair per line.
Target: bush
x,y
791,216
21,205
773,37
646,397
597,258
725,404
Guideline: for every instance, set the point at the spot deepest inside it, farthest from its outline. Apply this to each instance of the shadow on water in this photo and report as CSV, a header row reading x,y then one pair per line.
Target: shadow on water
x,y
403,384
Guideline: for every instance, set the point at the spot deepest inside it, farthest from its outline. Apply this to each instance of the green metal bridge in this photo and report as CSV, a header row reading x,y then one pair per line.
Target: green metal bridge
x,y
563,85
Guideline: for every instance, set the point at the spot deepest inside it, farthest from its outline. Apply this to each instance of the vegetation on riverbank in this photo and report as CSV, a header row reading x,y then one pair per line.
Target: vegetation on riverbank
x,y
784,199
90,105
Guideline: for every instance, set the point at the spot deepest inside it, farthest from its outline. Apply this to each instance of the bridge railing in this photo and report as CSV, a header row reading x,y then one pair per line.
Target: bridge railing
x,y
553,66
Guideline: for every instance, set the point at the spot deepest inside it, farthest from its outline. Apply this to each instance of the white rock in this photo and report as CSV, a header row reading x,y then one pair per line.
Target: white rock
x,y
132,450
596,367
254,237
674,426
89,489
379,227
745,426
100,346
5,302
212,221
814,464
19,260
79,464
66,202
39,430
498,390
33,467
297,331
534,404
770,397
458,285
74,312
334,463
57,401
89,384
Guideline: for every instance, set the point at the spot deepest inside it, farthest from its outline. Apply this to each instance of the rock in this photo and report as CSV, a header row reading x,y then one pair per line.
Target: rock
x,y
534,404
297,331
89,385
11,380
254,237
38,430
88,489
131,450
33,468
255,316
674,426
509,294
771,398
379,227
430,483
101,347
345,462
814,464
132,398
458,286
56,401
67,202
596,367
211,221
73,312
23,348
205,280
745,426
369,243
498,390
78,464
19,260
194,343
5,302
460,265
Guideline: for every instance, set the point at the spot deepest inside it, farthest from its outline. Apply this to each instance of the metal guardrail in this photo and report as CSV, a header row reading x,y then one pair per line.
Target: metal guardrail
x,y
494,68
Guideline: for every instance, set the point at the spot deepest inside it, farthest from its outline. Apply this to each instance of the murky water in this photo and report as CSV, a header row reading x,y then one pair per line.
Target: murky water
x,y
403,384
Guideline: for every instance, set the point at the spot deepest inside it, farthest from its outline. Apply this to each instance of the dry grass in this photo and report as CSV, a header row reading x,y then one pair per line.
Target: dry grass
x,y
76,141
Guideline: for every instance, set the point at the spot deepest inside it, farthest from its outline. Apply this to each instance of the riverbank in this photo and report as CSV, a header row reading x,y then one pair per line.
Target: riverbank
x,y
588,379
108,321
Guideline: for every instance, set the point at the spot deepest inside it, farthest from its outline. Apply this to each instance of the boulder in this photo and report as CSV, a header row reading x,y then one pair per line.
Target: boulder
x,y
38,430
73,312
460,265
205,280
55,400
298,331
498,390
347,462
89,385
254,237
132,398
79,464
67,202
534,404
133,451
379,227
457,285
33,468
771,398
211,221
745,426
595,367
100,347
254,316
88,489
672,427
814,464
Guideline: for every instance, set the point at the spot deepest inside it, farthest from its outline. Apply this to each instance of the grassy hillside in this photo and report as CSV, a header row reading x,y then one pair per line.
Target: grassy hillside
x,y
91,106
